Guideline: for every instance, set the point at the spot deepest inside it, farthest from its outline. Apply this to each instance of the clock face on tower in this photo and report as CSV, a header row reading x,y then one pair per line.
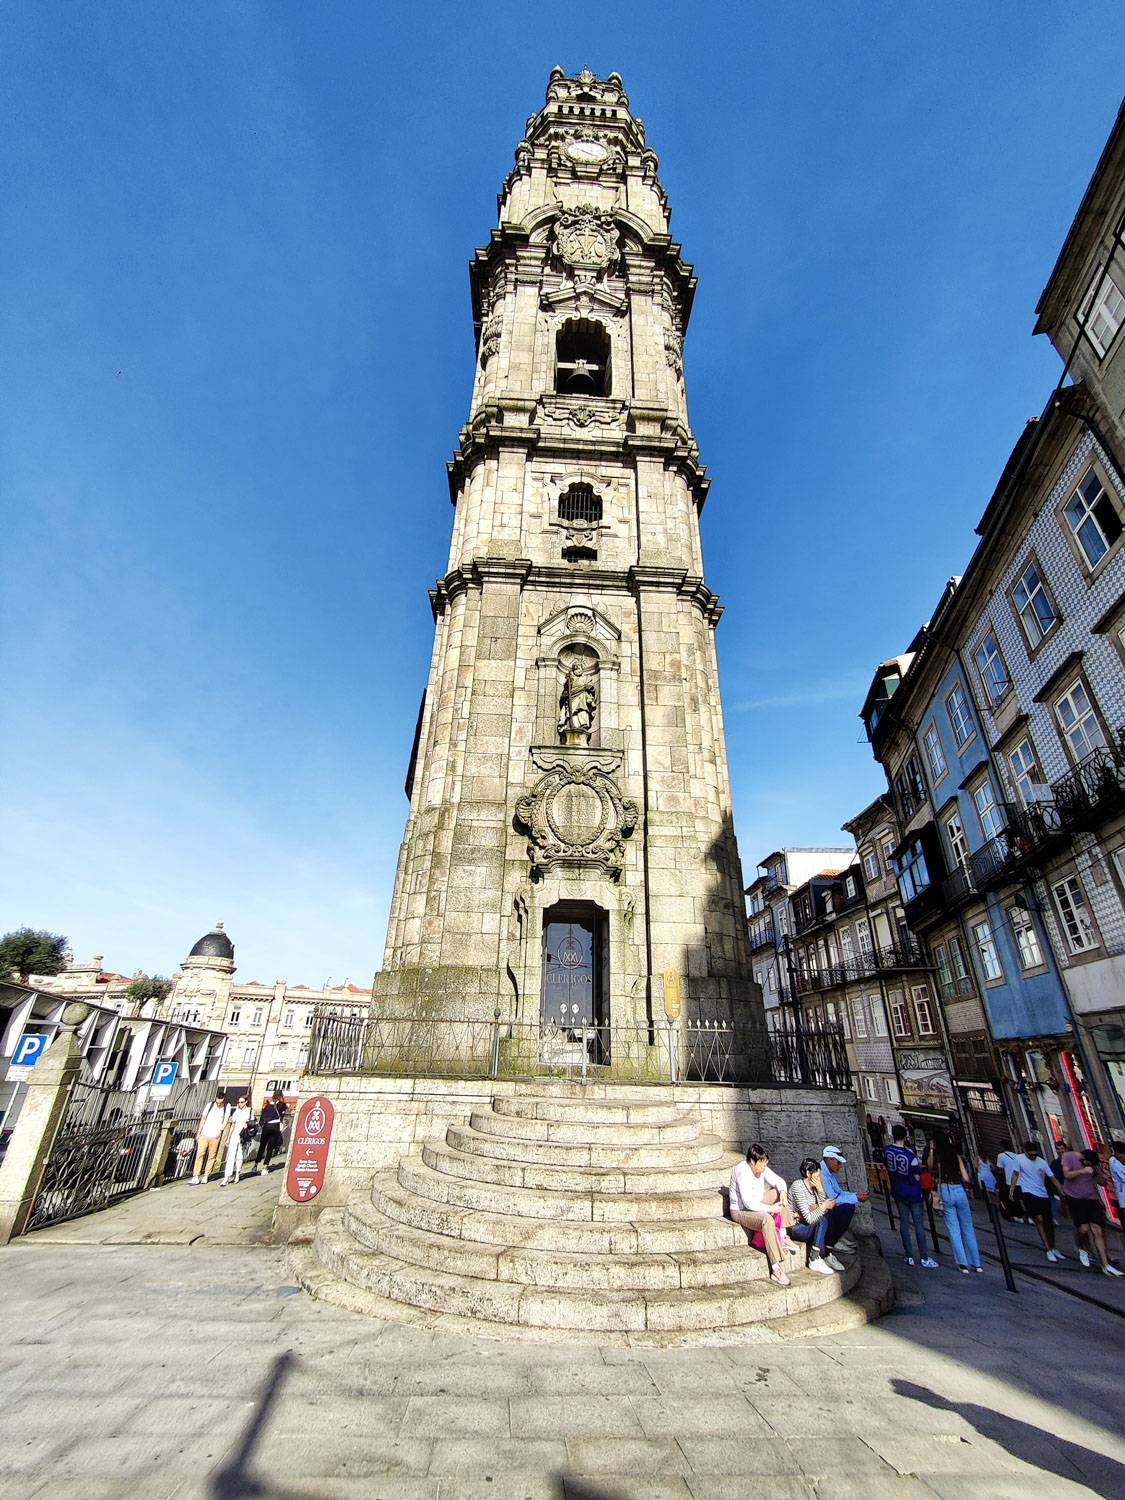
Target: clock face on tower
x,y
586,151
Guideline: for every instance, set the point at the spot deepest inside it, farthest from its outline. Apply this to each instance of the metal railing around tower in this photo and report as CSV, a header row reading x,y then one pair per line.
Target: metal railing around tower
x,y
689,1052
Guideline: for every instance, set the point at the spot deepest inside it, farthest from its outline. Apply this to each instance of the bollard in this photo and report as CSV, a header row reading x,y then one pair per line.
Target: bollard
x,y
585,1051
887,1195
1001,1244
495,1042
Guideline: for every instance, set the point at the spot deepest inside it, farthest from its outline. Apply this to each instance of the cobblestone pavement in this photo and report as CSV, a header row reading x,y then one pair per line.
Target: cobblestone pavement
x,y
149,1370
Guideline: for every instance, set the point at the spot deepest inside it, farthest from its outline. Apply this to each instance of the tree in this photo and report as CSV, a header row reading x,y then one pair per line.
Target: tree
x,y
145,988
27,951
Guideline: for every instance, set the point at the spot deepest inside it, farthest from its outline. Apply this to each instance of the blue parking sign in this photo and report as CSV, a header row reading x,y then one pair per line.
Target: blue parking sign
x,y
28,1049
164,1073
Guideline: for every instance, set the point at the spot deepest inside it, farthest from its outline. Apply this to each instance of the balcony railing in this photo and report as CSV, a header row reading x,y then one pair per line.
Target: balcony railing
x,y
1093,789
861,966
1029,834
762,934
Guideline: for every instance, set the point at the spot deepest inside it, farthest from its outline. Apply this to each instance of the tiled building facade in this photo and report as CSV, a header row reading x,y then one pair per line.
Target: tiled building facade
x,y
1000,732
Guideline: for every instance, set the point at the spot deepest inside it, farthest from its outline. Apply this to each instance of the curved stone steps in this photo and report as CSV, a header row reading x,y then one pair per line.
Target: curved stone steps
x,y
546,1177
533,1203
523,1127
561,1267
601,1238
698,1151
510,1303
568,1109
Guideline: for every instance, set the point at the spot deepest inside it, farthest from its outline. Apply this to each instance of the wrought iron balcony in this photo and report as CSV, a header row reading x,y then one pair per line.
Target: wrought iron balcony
x,y
1093,790
956,888
1029,835
762,934
865,965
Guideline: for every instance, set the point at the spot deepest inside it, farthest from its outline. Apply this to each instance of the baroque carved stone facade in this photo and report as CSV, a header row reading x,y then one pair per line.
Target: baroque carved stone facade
x,y
570,765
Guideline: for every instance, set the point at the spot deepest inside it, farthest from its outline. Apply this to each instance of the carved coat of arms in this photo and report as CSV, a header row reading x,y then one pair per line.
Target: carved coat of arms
x,y
576,815
586,239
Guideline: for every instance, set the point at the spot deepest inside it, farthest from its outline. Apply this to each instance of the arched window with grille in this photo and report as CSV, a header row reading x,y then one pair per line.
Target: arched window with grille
x,y
579,503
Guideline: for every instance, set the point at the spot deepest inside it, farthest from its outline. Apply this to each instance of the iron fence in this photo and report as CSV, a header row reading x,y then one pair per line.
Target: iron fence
x,y
688,1052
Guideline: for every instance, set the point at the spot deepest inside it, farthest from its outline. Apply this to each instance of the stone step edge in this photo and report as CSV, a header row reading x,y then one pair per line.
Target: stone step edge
x,y
746,1264
495,1123
503,1227
515,1304
673,1177
866,1302
614,1207
700,1152
590,1111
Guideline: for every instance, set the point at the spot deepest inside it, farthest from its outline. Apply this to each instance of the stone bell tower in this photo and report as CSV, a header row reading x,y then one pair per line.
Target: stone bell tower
x,y
569,837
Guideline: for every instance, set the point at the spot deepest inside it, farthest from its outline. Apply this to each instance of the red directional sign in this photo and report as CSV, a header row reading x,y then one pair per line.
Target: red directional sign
x,y
308,1159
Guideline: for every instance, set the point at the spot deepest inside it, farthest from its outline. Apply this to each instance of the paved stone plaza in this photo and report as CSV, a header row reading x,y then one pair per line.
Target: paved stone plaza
x,y
168,1369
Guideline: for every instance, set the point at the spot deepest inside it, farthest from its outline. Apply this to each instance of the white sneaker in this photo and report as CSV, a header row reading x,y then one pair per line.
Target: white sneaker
x,y
837,1265
195,1182
1053,1255
1084,1258
929,1263
821,1267
1108,1270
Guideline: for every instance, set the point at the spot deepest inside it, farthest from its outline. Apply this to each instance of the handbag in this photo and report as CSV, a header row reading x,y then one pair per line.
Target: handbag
x,y
926,1180
249,1132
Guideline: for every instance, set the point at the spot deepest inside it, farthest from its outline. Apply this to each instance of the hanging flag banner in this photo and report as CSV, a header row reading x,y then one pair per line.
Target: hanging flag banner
x,y
308,1159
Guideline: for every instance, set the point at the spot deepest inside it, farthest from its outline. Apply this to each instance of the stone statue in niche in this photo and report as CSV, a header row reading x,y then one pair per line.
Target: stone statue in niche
x,y
578,702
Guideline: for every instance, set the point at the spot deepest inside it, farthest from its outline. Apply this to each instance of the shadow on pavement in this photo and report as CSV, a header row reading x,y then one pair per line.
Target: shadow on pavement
x,y
1033,1445
569,1488
236,1480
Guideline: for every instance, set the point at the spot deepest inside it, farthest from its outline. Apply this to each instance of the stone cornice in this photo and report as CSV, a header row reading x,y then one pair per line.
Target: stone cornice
x,y
522,572
507,423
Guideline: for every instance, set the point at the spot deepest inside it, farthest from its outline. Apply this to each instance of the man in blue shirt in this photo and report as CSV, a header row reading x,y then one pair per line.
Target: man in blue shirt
x,y
830,1165
905,1172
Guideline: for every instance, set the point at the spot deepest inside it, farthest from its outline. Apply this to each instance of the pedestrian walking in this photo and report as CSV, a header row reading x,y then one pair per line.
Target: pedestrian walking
x,y
238,1140
1007,1190
1083,1176
270,1123
207,1138
951,1175
1035,1181
905,1172
819,1221
1117,1173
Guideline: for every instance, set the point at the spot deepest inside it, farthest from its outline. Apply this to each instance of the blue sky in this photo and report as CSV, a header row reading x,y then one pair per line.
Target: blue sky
x,y
236,350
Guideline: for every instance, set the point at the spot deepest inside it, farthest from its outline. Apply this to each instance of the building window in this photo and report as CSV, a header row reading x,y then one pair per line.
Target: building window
x,y
871,865
1027,939
958,843
934,753
580,504
1103,313
871,1087
988,813
1094,518
960,720
923,1010
235,1015
1075,915
249,1051
860,1018
900,1016
913,876
259,1015
850,889
890,1092
960,969
1078,722
290,1019
941,963
878,1017
990,665
845,1023
888,848
1034,606
911,788
863,930
582,359
986,947
1025,771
